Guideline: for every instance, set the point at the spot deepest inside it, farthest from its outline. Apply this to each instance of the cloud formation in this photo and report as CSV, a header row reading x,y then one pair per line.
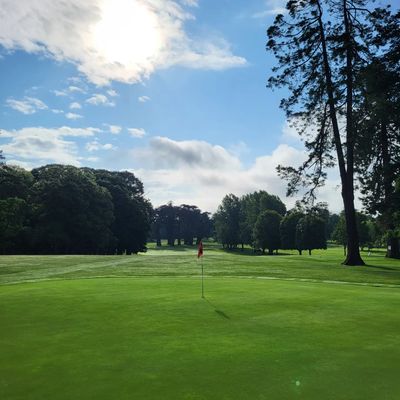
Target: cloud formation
x,y
41,146
137,132
143,99
121,40
73,116
100,100
28,105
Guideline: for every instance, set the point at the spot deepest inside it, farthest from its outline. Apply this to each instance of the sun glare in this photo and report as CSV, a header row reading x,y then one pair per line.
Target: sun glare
x,y
127,33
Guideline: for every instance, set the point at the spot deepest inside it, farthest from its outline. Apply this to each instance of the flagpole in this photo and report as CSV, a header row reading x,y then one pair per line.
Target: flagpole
x,y
202,279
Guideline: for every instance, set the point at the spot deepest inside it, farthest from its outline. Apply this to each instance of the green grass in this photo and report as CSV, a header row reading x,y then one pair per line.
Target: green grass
x,y
147,334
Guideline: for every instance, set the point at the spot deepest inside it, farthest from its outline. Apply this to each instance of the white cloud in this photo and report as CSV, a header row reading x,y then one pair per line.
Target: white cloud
x,y
112,93
272,7
100,99
143,99
60,93
29,105
57,111
76,89
38,145
73,116
114,129
137,132
75,106
121,40
95,145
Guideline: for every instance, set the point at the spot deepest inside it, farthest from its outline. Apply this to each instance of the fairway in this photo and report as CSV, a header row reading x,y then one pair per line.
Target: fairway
x,y
143,332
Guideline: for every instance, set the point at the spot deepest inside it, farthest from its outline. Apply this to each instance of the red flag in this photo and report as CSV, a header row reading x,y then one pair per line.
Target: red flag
x,y
200,250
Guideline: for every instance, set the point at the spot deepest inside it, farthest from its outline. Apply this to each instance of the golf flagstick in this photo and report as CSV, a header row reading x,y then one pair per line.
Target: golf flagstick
x,y
200,255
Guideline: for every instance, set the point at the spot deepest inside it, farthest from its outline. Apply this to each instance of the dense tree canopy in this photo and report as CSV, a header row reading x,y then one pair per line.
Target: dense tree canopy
x,y
176,223
288,230
266,231
310,233
63,209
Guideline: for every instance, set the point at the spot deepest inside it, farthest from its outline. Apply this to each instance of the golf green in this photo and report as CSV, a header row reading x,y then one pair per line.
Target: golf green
x,y
155,338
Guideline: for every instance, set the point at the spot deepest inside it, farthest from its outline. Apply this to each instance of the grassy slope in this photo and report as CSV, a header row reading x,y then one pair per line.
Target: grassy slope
x,y
154,338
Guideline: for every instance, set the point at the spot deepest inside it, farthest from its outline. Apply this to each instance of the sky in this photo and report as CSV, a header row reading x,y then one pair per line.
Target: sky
x,y
171,90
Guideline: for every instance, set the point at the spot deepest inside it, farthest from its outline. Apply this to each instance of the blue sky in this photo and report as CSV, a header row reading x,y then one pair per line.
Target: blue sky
x,y
173,90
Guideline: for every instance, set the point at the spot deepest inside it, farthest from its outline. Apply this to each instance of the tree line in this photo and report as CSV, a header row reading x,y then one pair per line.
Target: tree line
x,y
61,209
260,220
340,60
185,224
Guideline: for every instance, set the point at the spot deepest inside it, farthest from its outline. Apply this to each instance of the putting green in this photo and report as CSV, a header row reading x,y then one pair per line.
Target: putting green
x,y
155,338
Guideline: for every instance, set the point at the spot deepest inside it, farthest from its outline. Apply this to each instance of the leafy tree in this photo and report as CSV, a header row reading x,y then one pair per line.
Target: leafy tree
x,y
72,214
251,206
377,152
13,227
132,212
266,231
321,46
14,182
167,218
204,228
288,230
332,221
2,158
227,220
310,233
339,234
189,220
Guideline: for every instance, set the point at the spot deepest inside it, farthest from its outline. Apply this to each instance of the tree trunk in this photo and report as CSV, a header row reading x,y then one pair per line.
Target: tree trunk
x,y
346,175
300,251
270,252
393,248
353,256
309,252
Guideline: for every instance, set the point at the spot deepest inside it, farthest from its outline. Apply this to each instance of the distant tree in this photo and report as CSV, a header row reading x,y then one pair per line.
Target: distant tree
x,y
189,219
13,225
168,221
204,228
310,233
72,214
251,206
132,211
266,231
288,230
15,186
332,221
227,220
339,234
14,182
2,158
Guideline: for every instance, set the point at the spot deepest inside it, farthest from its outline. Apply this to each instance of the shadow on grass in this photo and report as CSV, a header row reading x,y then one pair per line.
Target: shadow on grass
x,y
219,312
251,252
381,267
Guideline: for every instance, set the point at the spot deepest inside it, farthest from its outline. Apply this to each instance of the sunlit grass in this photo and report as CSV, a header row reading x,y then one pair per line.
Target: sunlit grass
x,y
64,336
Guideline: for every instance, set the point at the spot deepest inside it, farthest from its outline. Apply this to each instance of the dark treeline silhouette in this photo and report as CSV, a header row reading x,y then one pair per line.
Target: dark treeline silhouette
x,y
59,209
178,224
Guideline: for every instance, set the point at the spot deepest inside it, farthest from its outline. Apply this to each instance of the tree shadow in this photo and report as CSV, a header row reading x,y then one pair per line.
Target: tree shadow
x,y
219,312
381,267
